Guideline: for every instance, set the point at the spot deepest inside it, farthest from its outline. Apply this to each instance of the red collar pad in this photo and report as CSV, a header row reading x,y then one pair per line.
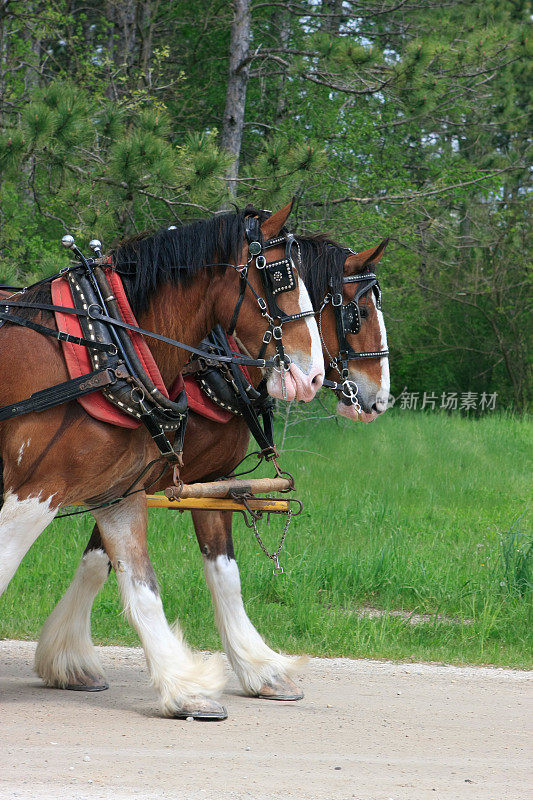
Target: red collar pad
x,y
78,362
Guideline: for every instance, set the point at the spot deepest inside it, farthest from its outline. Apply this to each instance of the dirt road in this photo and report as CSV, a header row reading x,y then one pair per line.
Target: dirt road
x,y
366,730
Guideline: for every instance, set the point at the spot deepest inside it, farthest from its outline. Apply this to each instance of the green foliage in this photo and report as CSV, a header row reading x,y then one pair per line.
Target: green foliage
x,y
390,123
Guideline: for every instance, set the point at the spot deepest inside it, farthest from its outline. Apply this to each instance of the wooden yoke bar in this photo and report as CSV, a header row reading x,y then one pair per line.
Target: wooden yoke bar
x,y
267,505
225,489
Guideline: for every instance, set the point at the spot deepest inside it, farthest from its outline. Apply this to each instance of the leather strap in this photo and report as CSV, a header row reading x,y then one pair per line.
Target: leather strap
x,y
60,393
61,336
249,406
91,313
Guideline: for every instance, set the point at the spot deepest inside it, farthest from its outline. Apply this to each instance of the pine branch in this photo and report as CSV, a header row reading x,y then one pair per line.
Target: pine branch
x,y
401,198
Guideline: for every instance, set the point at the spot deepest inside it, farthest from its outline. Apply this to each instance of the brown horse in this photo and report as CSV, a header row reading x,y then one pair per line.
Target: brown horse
x,y
65,655
62,455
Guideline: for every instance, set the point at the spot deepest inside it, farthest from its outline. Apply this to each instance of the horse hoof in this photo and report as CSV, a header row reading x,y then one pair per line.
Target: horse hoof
x,y
280,688
85,682
202,709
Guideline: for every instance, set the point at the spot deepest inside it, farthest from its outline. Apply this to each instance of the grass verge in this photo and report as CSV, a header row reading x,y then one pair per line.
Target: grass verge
x,y
424,514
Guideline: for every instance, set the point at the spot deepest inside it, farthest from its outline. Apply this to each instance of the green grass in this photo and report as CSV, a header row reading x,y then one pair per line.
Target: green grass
x,y
423,513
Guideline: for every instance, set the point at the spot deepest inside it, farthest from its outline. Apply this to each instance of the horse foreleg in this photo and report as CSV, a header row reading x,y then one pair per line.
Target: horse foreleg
x,y
66,657
185,682
21,522
261,671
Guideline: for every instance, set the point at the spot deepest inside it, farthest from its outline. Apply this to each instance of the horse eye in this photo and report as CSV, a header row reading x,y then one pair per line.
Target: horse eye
x,y
363,312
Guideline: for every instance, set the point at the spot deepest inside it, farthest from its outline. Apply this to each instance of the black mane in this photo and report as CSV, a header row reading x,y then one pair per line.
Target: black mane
x,y
148,261
322,266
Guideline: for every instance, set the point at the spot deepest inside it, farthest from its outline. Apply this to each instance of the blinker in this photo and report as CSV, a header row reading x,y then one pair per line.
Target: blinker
x,y
280,276
351,319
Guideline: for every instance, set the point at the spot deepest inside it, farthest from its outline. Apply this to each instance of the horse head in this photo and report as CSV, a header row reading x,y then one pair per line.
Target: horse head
x,y
359,320
274,302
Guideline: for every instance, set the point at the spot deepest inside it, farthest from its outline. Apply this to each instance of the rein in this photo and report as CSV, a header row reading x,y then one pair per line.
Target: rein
x,y
94,312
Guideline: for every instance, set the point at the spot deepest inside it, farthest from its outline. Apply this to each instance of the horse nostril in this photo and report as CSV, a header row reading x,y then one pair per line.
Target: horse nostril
x,y
317,380
376,409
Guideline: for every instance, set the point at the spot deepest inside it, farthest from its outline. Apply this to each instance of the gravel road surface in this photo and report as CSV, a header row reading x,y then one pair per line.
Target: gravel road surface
x,y
367,730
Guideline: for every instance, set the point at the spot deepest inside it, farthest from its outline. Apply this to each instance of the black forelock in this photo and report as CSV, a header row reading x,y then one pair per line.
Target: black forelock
x,y
322,266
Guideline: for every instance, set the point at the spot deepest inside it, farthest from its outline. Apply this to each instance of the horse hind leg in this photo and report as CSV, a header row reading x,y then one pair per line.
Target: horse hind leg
x,y
21,522
261,671
66,657
186,684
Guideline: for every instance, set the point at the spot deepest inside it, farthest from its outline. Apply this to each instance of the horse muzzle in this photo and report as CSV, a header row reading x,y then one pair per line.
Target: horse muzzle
x,y
299,385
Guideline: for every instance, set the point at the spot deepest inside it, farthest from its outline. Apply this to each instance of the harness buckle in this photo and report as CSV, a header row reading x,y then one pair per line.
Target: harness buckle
x,y
267,337
336,299
277,332
260,262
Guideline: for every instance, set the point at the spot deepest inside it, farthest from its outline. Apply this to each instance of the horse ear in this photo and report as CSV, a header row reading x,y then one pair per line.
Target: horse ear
x,y
367,258
272,226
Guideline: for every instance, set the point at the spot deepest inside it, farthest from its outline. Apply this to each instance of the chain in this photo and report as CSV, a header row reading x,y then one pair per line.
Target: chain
x,y
331,358
278,569
282,371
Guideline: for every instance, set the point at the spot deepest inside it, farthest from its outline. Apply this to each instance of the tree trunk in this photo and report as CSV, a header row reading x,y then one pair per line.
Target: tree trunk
x,y
146,13
332,23
284,32
239,69
121,16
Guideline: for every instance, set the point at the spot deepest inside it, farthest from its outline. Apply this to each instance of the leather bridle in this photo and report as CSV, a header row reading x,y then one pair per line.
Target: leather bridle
x,y
348,320
276,277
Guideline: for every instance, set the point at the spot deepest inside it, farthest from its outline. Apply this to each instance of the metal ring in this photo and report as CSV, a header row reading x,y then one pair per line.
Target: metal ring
x,y
287,361
94,314
137,395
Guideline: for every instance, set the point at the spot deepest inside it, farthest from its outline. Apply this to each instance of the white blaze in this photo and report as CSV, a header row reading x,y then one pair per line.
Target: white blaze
x,y
382,397
315,360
